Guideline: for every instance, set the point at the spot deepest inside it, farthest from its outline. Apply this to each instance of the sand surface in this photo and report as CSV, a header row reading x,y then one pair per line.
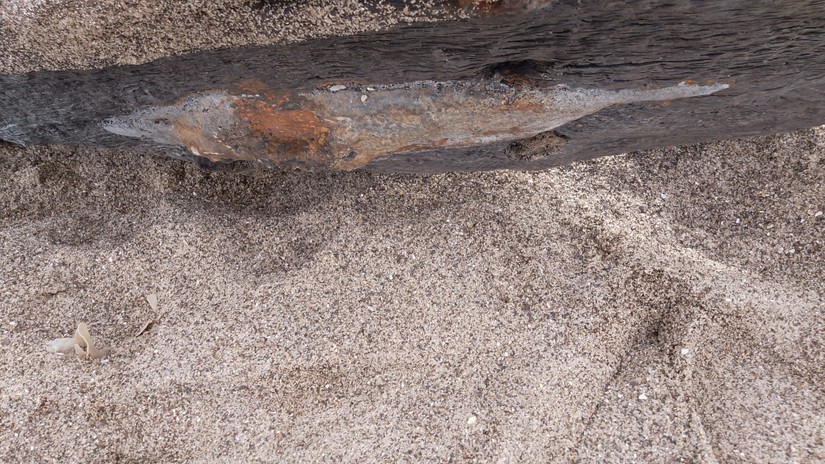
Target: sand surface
x,y
71,34
664,306
655,307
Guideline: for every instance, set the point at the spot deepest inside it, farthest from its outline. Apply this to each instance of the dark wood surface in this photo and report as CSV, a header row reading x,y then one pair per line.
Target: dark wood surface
x,y
772,55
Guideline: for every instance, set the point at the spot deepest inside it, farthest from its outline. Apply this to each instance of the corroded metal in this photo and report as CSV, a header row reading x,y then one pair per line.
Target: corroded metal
x,y
345,127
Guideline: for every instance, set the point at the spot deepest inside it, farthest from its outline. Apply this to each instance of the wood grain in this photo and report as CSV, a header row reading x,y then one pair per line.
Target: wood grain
x,y
771,54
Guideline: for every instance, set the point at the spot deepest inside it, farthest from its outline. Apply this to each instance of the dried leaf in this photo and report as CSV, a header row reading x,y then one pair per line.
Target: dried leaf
x,y
153,301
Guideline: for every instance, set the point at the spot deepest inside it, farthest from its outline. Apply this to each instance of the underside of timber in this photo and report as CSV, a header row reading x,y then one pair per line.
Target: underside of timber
x,y
521,85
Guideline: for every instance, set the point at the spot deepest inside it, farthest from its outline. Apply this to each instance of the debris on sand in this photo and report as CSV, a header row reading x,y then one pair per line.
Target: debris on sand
x,y
82,344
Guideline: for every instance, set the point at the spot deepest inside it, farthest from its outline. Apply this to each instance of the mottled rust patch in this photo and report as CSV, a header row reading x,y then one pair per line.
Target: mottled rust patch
x,y
289,135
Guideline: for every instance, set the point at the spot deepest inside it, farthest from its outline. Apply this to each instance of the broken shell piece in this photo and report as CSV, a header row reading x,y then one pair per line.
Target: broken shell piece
x,y
79,350
60,345
152,299
84,344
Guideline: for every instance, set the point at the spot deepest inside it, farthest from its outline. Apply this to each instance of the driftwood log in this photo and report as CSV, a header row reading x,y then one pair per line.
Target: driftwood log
x,y
520,85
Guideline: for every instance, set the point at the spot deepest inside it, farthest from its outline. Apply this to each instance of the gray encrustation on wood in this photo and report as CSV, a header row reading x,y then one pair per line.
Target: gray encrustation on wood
x,y
578,79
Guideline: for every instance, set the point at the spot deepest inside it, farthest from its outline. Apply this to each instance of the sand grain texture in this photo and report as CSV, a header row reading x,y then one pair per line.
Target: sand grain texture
x,y
356,317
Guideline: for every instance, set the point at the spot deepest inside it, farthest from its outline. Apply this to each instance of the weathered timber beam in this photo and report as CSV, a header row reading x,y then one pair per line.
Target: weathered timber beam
x,y
522,85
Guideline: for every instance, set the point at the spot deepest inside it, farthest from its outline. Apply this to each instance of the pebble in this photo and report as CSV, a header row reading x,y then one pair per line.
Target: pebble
x,y
337,87
642,397
472,420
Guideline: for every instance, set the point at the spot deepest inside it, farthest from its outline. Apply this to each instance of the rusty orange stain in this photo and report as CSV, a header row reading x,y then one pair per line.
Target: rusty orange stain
x,y
289,134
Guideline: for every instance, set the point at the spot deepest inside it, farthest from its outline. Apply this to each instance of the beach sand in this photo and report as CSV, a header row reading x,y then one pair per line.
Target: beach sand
x,y
663,306
657,307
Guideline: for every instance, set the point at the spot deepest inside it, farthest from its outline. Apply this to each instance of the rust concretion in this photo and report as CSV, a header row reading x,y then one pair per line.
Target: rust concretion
x,y
345,127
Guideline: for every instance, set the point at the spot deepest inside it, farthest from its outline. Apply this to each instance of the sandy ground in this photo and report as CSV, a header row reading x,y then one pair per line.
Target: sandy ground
x,y
664,306
69,34
660,307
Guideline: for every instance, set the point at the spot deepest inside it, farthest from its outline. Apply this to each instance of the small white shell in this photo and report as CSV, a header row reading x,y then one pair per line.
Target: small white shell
x,y
152,299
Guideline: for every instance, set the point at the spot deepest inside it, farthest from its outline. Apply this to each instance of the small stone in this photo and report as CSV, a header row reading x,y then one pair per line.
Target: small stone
x,y
642,397
685,351
363,98
472,420
337,87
